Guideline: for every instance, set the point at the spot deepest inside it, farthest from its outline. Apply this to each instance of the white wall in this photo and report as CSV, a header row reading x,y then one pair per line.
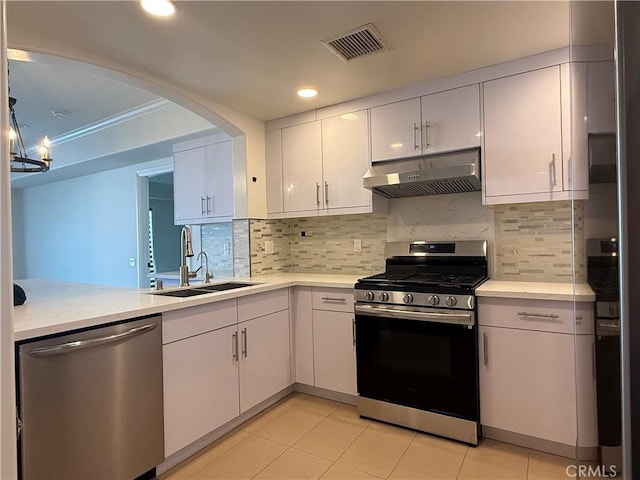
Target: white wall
x,y
82,229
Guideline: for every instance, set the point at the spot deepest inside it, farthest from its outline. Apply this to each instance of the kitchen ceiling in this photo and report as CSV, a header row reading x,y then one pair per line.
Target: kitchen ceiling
x,y
253,56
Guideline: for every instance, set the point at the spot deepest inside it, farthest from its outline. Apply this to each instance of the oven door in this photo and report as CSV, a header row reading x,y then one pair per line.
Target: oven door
x,y
424,358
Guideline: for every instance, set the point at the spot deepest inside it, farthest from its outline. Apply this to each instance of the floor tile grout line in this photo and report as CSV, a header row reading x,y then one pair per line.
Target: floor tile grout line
x,y
464,457
351,444
403,454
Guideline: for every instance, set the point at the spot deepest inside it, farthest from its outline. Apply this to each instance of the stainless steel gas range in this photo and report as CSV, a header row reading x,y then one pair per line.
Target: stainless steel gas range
x,y
416,338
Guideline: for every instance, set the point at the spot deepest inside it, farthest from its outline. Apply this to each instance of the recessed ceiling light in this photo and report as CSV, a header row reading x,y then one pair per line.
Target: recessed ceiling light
x,y
160,8
307,92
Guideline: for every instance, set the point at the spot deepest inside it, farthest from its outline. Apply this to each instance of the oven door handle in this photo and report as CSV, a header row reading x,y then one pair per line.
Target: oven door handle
x,y
412,314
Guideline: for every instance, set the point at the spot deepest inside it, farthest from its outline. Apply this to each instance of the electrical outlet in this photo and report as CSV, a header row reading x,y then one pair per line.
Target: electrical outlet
x,y
357,246
132,261
227,248
268,246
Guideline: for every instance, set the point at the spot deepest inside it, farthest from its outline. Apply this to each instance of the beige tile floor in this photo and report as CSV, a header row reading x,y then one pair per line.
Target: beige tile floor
x,y
305,437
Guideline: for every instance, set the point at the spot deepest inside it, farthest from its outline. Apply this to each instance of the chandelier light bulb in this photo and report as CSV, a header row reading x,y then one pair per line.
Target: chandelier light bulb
x,y
44,148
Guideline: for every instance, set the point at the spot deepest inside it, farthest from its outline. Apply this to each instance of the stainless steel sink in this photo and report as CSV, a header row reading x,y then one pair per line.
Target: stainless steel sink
x,y
204,289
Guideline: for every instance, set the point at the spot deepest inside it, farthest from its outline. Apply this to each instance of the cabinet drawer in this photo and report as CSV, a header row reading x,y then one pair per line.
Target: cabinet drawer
x,y
336,299
542,315
261,304
188,322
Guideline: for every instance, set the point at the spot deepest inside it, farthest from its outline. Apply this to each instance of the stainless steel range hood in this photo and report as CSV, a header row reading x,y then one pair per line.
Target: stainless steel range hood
x,y
453,172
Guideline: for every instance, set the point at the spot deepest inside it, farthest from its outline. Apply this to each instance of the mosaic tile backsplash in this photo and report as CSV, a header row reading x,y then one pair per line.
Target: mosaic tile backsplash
x,y
527,242
319,244
217,242
534,242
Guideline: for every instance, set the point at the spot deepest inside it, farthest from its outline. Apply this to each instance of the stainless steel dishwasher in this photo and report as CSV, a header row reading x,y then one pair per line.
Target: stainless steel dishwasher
x,y
90,403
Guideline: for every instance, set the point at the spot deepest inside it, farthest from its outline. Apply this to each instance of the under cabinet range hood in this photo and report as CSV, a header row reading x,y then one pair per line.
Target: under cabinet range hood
x,y
453,172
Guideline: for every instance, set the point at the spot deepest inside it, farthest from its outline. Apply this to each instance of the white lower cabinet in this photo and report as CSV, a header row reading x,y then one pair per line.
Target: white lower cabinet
x,y
264,358
537,379
303,335
215,368
200,386
334,351
527,383
334,358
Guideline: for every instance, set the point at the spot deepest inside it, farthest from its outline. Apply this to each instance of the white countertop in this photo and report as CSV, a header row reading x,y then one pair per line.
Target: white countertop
x,y
54,307
581,292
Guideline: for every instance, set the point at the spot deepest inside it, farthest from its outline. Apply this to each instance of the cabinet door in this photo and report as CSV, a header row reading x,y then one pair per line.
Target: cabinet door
x,y
527,383
265,366
219,180
302,167
522,134
189,185
200,386
345,159
395,130
303,335
334,357
451,120
601,97
273,158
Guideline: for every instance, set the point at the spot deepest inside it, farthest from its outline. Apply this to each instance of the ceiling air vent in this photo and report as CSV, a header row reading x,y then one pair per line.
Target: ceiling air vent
x,y
361,41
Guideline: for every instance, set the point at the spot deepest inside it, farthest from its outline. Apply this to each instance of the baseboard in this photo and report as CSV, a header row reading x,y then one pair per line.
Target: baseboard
x,y
547,446
193,448
324,393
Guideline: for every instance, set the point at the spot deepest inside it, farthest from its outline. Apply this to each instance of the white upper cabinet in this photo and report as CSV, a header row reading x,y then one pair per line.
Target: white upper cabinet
x,y
203,183
522,134
451,120
439,122
302,167
395,130
323,162
345,159
273,144
601,97
535,141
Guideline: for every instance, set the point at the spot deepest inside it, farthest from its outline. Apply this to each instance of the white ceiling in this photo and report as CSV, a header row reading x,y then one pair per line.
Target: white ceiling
x,y
252,56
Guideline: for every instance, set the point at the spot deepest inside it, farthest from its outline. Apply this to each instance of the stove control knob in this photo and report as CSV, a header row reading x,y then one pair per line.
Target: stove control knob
x,y
433,300
384,296
369,296
451,301
407,298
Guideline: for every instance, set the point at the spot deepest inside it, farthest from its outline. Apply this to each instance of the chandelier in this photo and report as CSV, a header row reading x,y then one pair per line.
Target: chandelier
x,y
20,161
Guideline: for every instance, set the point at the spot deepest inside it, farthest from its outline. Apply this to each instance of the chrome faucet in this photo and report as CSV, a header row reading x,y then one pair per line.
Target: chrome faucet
x,y
207,276
186,250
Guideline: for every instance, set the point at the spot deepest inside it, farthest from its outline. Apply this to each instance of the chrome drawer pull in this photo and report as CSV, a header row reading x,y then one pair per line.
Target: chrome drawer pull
x,y
333,299
552,316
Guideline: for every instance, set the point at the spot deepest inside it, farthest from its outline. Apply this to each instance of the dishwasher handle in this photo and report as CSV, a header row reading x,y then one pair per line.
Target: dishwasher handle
x,y
92,342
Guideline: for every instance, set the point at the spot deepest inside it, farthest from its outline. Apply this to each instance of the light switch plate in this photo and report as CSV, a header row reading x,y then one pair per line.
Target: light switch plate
x,y
132,261
357,246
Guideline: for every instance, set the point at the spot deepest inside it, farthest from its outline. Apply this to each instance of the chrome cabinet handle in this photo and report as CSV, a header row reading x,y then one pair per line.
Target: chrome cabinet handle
x,y
539,315
234,346
318,194
334,299
415,136
202,209
244,342
326,194
593,358
553,169
208,208
485,349
353,329
93,342
426,135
